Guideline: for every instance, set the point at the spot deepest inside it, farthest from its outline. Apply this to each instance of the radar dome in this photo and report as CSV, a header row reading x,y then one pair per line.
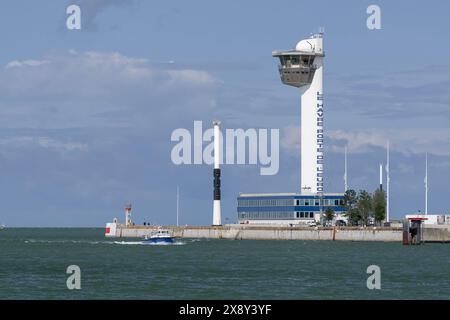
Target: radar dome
x,y
305,45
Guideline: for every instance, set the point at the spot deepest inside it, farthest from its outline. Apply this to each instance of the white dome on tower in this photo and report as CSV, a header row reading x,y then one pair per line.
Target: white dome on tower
x,y
306,45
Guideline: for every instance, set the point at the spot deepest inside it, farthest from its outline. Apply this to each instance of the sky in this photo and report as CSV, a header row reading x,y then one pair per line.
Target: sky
x,y
86,115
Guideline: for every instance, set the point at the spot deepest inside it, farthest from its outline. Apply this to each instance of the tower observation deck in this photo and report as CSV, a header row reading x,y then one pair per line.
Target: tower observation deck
x,y
302,68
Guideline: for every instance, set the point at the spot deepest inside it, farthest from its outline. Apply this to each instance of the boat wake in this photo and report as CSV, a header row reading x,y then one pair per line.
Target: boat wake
x,y
63,241
66,241
149,244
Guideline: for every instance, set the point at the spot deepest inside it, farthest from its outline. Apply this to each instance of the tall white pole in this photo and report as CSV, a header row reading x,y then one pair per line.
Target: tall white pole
x,y
217,220
178,204
381,176
345,171
388,179
426,183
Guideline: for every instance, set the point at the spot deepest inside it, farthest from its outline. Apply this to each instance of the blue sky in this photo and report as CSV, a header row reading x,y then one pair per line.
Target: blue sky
x,y
86,116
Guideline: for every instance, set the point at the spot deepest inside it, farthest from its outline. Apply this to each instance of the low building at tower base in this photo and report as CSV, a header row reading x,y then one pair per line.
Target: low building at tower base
x,y
288,208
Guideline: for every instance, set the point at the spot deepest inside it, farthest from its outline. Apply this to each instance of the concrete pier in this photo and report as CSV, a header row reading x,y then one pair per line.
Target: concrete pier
x,y
254,232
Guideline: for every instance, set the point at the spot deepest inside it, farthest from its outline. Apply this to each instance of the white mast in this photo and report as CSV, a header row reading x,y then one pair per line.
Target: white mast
x,y
426,183
217,220
388,179
381,176
178,204
345,172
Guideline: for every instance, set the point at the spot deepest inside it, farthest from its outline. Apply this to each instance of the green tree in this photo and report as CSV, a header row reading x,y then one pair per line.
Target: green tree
x,y
364,206
379,205
350,202
329,213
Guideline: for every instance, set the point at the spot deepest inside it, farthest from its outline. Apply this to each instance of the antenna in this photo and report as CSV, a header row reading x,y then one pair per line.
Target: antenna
x,y
388,179
381,177
426,183
178,204
345,171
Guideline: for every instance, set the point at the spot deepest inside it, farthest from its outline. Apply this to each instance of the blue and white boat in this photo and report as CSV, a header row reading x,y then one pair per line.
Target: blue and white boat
x,y
160,236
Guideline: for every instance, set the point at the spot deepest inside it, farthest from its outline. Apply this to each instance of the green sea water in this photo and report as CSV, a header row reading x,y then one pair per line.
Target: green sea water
x,y
33,265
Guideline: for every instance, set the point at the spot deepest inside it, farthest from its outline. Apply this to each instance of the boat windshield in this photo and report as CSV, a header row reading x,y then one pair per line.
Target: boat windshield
x,y
162,232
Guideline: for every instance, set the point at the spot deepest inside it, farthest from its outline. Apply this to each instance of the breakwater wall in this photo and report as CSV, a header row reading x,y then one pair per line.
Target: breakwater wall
x,y
252,232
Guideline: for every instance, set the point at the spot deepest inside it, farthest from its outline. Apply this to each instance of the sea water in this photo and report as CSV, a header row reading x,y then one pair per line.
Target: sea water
x,y
34,261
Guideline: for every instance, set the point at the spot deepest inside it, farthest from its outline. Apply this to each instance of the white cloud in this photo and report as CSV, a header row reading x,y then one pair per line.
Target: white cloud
x,y
191,76
357,141
290,139
110,67
100,89
43,142
404,140
26,63
50,143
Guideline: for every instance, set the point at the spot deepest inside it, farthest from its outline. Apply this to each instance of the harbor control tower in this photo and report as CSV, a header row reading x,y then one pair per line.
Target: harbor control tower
x,y
302,68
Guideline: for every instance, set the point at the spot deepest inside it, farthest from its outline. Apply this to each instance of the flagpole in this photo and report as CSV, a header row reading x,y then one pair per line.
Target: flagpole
x,y
426,183
345,172
178,204
388,178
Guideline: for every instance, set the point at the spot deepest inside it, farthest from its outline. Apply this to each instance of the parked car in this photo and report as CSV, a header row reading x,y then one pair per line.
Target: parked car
x,y
340,223
311,224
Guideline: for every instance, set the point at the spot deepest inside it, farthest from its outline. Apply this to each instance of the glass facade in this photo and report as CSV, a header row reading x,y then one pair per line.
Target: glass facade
x,y
286,207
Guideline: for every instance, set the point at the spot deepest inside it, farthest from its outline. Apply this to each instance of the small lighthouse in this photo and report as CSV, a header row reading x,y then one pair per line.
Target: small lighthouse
x,y
128,221
217,220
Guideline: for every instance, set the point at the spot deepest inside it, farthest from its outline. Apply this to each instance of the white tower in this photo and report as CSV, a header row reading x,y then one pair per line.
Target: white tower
x,y
303,68
217,220
128,221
